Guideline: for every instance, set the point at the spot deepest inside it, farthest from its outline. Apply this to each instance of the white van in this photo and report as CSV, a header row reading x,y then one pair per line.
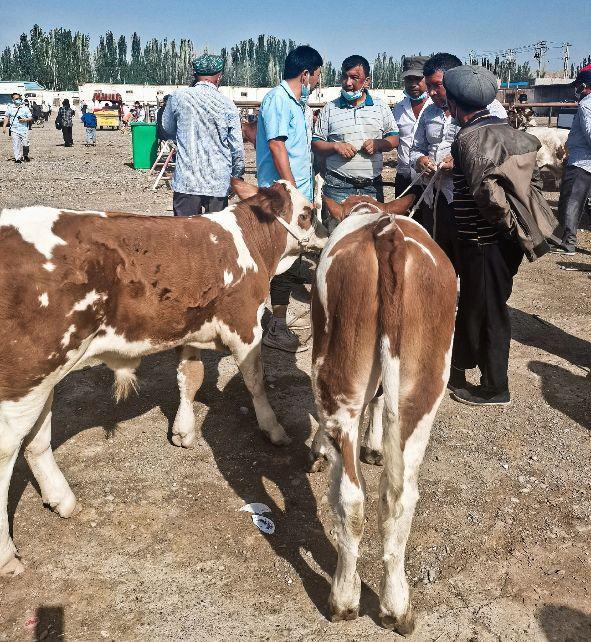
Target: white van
x,y
6,91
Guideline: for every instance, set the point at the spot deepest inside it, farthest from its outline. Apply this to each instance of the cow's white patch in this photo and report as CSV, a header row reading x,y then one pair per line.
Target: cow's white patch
x,y
35,225
44,299
228,277
227,219
213,238
111,342
68,335
424,249
87,301
49,266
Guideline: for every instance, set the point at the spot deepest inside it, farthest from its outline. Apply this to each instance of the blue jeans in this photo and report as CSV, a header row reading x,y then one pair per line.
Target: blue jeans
x,y
339,190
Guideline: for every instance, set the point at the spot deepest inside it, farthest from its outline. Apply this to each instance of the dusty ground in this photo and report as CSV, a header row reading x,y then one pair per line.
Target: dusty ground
x,y
500,544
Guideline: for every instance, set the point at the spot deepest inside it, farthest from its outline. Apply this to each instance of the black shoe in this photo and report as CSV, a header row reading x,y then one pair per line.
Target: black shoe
x,y
27,159
19,161
457,379
563,251
480,396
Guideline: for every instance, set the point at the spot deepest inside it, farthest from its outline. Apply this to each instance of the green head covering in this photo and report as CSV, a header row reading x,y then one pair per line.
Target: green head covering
x,y
208,65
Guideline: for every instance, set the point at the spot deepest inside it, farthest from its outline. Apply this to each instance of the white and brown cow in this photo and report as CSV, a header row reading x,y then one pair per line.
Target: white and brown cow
x,y
383,312
77,288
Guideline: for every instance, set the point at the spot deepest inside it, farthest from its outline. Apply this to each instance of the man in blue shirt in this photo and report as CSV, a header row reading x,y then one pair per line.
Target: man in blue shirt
x,y
284,152
17,119
576,181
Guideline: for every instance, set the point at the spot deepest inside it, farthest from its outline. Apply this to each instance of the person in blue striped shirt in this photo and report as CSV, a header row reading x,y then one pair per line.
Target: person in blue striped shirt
x,y
206,127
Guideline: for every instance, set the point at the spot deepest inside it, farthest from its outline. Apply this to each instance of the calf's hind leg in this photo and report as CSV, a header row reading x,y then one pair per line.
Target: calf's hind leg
x,y
398,497
190,374
55,491
346,497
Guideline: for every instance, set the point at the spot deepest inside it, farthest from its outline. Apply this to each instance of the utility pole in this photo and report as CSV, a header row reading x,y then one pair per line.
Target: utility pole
x,y
510,58
565,58
540,49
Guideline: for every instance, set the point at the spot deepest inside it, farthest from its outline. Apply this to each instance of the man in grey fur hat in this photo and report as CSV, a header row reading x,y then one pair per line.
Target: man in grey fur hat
x,y
500,215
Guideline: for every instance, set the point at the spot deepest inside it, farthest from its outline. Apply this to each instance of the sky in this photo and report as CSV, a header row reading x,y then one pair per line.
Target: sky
x,y
336,28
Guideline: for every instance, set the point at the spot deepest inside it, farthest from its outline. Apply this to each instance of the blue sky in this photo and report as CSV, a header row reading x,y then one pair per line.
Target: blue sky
x,y
336,29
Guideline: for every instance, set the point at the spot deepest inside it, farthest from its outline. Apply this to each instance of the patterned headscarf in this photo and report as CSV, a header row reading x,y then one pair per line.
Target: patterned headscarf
x,y
208,65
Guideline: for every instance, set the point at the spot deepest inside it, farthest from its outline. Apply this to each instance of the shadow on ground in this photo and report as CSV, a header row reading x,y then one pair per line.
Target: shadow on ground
x,y
563,624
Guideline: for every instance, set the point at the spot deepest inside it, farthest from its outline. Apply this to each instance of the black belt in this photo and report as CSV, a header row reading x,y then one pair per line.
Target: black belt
x,y
357,182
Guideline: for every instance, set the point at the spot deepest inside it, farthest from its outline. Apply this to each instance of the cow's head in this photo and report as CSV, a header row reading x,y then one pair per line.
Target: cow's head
x,y
285,203
366,205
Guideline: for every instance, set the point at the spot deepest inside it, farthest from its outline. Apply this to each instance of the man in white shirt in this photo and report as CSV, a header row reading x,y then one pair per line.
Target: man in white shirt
x,y
407,113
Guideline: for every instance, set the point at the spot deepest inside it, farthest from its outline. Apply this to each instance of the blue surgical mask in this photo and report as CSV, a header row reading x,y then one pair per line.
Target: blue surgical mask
x,y
351,95
305,94
18,101
418,99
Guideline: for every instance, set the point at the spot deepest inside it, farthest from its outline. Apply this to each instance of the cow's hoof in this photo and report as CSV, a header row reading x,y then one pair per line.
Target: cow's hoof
x,y
404,625
65,507
12,567
340,615
371,456
317,463
280,439
183,441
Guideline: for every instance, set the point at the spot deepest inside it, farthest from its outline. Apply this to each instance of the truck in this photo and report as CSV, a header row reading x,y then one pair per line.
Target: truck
x,y
7,88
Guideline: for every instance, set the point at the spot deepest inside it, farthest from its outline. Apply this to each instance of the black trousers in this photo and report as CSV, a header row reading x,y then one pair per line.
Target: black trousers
x,y
283,284
574,192
483,326
67,134
192,204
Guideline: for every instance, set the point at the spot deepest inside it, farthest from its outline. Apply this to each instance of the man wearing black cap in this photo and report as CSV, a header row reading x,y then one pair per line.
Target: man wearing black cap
x,y
576,181
407,113
500,215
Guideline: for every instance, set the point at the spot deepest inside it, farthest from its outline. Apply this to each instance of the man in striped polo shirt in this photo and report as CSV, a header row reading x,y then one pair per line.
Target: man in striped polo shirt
x,y
352,133
500,215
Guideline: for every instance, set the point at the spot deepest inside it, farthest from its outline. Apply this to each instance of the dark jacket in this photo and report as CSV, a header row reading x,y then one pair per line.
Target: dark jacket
x,y
499,164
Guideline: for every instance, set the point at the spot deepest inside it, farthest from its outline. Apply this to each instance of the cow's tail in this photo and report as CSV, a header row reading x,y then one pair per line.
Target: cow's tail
x,y
391,256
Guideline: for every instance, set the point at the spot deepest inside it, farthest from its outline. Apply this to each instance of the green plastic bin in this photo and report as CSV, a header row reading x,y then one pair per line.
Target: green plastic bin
x,y
144,143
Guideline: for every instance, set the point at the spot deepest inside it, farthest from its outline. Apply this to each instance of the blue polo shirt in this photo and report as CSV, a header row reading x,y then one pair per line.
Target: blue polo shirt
x,y
282,115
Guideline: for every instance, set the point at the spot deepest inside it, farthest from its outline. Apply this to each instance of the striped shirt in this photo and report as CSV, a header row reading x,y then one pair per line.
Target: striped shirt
x,y
340,121
206,127
471,225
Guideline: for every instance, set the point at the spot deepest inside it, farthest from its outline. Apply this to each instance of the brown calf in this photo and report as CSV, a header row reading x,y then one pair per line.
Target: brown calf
x,y
383,312
77,288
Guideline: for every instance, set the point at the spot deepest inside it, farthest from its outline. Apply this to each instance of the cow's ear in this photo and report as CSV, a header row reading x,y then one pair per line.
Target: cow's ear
x,y
242,189
399,205
335,209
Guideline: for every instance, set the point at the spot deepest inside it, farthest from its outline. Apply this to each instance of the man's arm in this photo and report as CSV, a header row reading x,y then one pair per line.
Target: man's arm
x,y
168,118
320,143
482,178
281,159
236,143
586,122
4,124
419,152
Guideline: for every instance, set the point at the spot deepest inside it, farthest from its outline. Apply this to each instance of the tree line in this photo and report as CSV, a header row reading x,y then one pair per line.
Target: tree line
x,y
61,59
506,70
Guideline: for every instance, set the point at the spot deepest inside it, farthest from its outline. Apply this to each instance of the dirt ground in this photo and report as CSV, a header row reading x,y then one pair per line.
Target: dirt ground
x,y
500,543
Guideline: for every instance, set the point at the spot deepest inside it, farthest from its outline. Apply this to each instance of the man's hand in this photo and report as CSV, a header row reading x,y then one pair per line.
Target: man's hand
x,y
345,150
447,164
371,146
426,163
